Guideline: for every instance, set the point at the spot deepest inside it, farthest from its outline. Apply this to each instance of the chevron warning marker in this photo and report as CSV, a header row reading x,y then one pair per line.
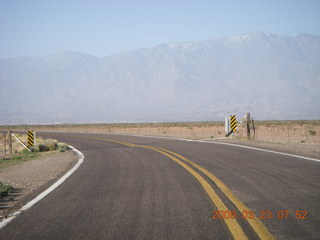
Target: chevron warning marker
x,y
233,123
30,139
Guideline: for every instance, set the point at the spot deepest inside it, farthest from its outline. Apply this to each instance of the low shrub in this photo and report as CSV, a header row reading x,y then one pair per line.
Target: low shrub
x,y
52,144
5,189
312,132
63,147
48,145
43,148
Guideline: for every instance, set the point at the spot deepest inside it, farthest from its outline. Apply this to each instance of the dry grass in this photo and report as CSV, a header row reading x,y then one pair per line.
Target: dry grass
x,y
302,131
296,137
21,154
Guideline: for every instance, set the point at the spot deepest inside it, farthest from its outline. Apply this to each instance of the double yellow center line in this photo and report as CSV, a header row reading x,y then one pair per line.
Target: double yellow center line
x,y
232,224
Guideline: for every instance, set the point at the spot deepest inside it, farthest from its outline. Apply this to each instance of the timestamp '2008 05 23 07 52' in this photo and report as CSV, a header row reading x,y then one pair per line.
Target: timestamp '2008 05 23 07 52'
x,y
263,214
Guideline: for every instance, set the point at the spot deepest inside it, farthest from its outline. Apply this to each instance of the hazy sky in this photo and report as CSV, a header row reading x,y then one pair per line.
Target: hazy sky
x,y
101,28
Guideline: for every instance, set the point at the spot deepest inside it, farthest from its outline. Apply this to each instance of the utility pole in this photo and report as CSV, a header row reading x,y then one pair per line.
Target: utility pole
x,y
248,125
10,141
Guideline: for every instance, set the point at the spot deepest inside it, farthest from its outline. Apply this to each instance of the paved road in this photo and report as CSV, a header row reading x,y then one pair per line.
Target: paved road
x,y
151,188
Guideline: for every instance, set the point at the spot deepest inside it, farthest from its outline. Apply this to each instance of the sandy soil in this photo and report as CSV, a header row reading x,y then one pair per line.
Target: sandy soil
x,y
304,131
300,137
29,176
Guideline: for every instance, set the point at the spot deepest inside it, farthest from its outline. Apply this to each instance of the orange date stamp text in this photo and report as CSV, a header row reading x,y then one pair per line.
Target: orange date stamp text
x,y
263,214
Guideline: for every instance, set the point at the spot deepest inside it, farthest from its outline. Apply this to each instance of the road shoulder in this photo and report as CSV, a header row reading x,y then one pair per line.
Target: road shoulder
x,y
31,177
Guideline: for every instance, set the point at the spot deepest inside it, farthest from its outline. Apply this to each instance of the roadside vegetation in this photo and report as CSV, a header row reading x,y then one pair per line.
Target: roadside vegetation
x,y
274,131
20,154
159,125
5,189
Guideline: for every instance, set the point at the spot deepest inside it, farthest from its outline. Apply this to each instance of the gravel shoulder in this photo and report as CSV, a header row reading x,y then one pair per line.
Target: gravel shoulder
x,y
32,176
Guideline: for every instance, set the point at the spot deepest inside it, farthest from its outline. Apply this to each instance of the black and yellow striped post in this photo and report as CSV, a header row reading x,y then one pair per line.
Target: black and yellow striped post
x,y
31,139
233,123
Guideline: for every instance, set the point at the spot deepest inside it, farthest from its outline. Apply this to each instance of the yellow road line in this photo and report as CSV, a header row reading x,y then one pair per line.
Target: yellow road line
x,y
232,224
257,225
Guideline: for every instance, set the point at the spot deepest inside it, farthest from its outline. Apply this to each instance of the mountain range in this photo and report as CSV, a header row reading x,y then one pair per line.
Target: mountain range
x,y
271,76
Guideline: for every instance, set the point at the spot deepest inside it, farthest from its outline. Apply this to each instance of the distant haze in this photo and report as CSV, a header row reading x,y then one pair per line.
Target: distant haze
x,y
271,76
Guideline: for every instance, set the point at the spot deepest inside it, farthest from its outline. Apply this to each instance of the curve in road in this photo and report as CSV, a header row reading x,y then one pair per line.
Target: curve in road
x,y
127,189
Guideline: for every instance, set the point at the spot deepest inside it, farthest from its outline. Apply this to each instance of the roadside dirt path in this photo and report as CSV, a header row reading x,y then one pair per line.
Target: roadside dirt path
x,y
30,176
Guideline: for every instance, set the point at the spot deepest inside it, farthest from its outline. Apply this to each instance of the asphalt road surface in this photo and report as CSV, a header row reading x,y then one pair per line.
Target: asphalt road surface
x,y
151,188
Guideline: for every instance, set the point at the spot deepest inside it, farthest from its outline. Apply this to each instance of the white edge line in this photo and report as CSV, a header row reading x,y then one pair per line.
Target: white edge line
x,y
47,191
222,143
265,150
